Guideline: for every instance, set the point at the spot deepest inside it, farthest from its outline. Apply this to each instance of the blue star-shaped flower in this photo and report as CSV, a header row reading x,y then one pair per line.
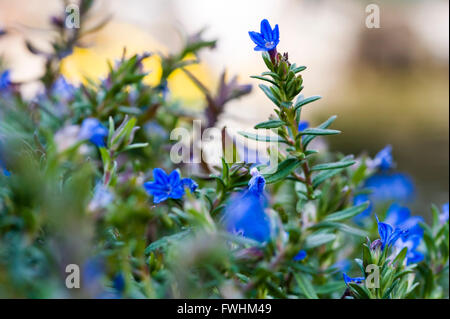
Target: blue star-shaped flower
x,y
168,186
268,39
94,131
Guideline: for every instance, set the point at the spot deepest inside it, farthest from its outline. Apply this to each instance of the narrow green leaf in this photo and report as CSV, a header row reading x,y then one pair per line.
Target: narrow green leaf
x,y
284,169
347,213
269,94
324,125
318,131
270,124
326,166
318,239
308,100
263,138
264,79
305,286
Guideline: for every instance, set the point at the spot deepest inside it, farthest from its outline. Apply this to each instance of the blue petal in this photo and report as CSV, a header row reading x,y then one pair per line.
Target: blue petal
x,y
266,30
260,48
160,176
159,197
348,279
257,38
276,34
174,178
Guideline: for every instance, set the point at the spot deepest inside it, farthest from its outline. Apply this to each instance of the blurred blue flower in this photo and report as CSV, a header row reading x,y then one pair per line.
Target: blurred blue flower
x,y
268,39
168,186
257,182
302,125
63,89
244,215
386,186
359,199
388,234
356,280
94,131
400,217
4,170
342,265
443,217
300,255
5,79
102,197
411,242
384,159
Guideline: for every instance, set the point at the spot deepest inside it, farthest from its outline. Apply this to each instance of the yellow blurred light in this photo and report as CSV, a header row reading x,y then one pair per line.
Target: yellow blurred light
x,y
108,44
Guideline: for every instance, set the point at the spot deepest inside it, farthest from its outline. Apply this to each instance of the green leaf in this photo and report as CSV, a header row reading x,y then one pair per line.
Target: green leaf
x,y
361,291
284,169
341,227
270,124
326,166
299,69
263,138
347,213
318,239
165,241
305,286
308,100
318,131
324,125
264,79
324,175
269,94
398,260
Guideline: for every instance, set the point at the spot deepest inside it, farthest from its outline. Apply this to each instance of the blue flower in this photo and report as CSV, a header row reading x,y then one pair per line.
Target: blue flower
x,y
302,125
443,217
342,265
384,159
388,234
168,186
189,183
300,255
5,171
63,89
347,279
359,199
411,242
257,182
268,39
244,215
94,131
5,79
387,186
400,217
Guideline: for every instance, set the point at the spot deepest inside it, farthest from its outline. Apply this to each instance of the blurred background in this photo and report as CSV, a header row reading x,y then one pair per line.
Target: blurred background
x,y
387,86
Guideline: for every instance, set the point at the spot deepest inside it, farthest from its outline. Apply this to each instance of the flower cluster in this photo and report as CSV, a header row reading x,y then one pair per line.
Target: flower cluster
x,y
89,181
